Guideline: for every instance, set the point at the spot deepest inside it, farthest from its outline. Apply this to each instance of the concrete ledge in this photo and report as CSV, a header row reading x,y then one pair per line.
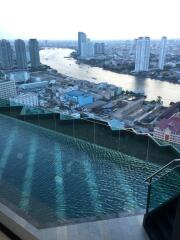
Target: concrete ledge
x,y
18,225
95,229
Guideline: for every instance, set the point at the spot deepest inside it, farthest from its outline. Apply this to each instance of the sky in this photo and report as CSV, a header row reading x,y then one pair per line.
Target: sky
x,y
100,19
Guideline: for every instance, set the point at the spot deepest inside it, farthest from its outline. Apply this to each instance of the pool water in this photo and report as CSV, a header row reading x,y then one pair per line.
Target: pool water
x,y
52,178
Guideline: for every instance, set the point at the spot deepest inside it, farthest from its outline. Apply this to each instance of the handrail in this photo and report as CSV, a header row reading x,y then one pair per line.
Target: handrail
x,y
172,169
149,179
161,169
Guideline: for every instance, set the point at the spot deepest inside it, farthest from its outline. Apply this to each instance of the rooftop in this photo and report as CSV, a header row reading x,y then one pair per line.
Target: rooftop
x,y
172,123
76,93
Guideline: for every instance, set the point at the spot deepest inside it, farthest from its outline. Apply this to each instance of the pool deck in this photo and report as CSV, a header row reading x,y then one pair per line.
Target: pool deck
x,y
126,228
123,228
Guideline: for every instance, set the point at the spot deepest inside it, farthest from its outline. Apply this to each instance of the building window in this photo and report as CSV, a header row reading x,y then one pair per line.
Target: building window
x,y
167,137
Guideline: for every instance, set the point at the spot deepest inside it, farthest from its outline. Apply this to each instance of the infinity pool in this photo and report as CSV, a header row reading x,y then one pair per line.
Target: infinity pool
x,y
52,178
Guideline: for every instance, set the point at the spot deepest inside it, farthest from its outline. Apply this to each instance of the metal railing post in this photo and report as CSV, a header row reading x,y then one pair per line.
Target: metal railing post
x,y
148,195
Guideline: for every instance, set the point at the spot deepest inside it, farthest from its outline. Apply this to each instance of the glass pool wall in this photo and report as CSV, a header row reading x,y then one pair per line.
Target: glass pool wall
x,y
78,170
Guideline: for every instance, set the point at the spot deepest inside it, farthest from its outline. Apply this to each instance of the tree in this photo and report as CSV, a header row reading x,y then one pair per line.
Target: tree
x,y
159,100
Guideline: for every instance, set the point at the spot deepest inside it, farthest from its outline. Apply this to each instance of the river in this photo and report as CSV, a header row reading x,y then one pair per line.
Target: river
x,y
57,59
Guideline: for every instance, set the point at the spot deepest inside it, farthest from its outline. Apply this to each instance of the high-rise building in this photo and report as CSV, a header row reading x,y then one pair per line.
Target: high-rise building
x,y
21,57
142,54
162,53
6,55
7,90
87,49
99,48
85,46
81,39
34,53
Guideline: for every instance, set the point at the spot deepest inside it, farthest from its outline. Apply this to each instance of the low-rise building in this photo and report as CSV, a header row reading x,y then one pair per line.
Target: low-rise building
x,y
168,129
29,99
17,76
41,84
79,97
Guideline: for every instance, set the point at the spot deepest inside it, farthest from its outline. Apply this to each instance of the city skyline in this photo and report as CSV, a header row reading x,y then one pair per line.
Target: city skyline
x,y
102,20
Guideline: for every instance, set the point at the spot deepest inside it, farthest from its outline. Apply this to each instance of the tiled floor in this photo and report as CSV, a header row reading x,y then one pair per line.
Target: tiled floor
x,y
127,228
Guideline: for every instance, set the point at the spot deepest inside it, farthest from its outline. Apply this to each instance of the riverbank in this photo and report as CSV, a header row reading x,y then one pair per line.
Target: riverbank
x,y
156,74
57,59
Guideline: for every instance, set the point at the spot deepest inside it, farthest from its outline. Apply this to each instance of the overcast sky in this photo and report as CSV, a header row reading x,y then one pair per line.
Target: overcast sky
x,y
100,19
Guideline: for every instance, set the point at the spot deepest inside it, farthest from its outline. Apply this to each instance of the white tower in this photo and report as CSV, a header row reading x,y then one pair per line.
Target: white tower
x,y
81,39
162,53
142,54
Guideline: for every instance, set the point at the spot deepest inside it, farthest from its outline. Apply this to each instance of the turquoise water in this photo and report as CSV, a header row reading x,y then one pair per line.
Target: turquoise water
x,y
53,178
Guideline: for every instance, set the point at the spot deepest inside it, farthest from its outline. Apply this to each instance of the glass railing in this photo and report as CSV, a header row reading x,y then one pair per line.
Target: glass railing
x,y
141,146
163,186
87,167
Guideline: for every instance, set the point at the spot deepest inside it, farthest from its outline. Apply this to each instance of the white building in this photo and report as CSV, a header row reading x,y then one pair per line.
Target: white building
x,y
85,46
87,49
17,76
81,39
33,85
142,54
99,48
7,90
29,99
162,53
